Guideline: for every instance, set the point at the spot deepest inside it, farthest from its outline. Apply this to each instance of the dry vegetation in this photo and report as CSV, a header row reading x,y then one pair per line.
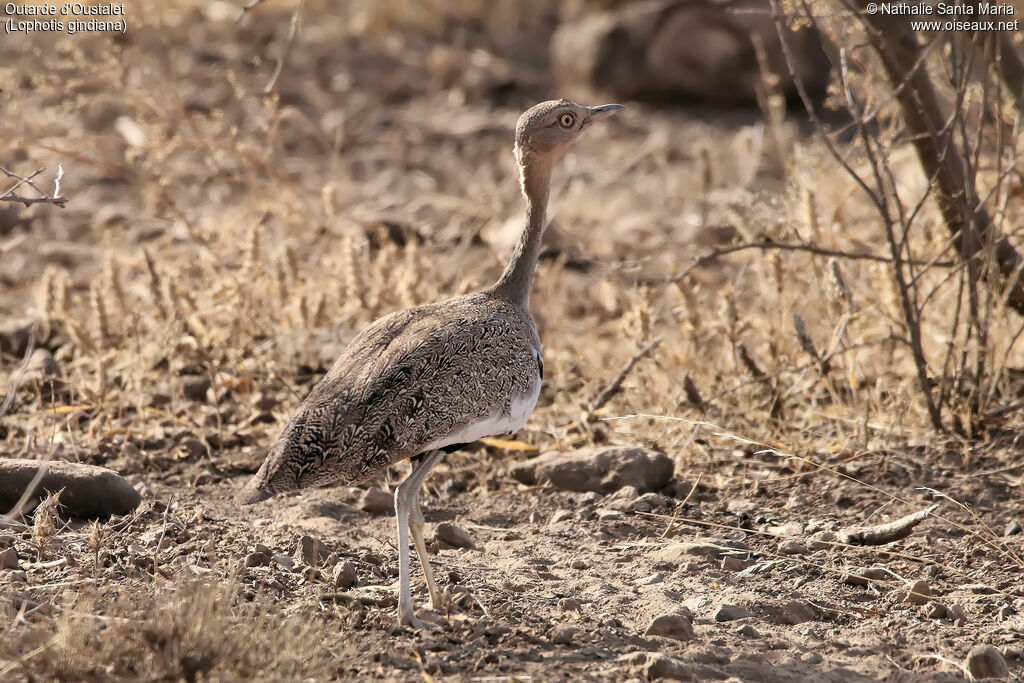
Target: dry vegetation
x,y
221,243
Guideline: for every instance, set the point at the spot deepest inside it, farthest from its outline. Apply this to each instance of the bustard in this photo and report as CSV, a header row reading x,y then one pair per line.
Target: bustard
x,y
428,380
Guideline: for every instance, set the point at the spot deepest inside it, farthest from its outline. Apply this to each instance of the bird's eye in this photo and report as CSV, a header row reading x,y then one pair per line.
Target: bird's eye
x,y
566,120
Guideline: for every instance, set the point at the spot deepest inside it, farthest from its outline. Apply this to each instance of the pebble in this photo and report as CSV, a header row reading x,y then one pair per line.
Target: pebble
x,y
570,605
792,546
791,613
578,564
811,658
731,613
985,661
193,447
453,535
677,552
671,626
919,594
608,515
284,561
657,577
195,387
564,634
748,631
345,575
862,577
1012,529
257,559
735,564
658,665
561,516
375,500
822,540
18,575
9,559
312,551
938,611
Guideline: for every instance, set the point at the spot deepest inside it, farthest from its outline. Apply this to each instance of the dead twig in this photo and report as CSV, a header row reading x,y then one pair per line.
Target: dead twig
x,y
293,29
616,384
716,254
57,198
885,533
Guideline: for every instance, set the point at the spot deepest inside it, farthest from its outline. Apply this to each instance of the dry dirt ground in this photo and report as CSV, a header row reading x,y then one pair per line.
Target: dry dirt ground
x,y
221,245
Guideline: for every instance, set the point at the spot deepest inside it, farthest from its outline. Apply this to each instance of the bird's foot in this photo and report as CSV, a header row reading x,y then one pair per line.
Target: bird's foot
x,y
408,618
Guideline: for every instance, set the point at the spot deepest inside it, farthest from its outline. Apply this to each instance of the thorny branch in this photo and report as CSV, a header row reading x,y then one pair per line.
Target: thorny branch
x,y
10,195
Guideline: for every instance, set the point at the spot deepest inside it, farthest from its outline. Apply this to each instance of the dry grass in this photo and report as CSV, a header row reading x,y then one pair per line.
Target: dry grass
x,y
216,232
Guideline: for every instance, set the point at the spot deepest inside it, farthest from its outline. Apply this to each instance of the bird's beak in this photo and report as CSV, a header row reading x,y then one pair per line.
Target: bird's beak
x,y
601,111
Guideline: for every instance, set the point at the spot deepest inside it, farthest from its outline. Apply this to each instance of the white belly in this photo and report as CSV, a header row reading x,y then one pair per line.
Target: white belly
x,y
499,423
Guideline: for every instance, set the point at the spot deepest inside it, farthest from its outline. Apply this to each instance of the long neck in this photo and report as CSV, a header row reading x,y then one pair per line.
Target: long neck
x,y
514,283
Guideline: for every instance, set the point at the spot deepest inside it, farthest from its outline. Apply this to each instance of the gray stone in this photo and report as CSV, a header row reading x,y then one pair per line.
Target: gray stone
x,y
791,613
731,613
670,626
345,575
716,548
453,535
89,491
286,562
564,634
312,551
375,500
598,469
985,661
918,594
195,387
1012,529
792,546
748,631
862,577
657,665
9,559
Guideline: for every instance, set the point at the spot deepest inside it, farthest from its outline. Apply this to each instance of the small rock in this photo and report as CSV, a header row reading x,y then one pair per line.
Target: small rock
x,y
791,613
9,559
578,564
312,551
731,613
658,665
375,500
260,548
938,611
985,661
19,576
1012,529
862,577
89,491
193,447
748,631
811,658
671,626
735,564
822,540
7,540
657,577
195,387
609,515
561,516
345,575
677,552
1006,611
564,634
570,605
453,535
286,562
919,594
600,469
956,613
793,547
257,559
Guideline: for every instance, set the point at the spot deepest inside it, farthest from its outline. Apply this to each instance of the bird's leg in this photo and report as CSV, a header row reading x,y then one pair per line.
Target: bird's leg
x,y
416,527
406,501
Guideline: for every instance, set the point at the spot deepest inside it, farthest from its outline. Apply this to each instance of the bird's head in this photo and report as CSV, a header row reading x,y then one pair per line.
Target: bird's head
x,y
276,475
547,130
